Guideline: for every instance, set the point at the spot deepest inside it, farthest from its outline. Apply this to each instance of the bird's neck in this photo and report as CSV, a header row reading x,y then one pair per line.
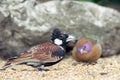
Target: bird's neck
x,y
62,47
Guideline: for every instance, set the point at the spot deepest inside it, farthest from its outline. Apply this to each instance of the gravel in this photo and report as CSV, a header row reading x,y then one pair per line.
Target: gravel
x,y
67,69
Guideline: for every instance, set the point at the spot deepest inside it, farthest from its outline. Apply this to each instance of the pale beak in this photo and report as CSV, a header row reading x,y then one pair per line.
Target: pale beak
x,y
70,38
83,51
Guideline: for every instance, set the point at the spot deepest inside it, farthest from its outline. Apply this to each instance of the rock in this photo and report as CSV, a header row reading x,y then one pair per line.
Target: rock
x,y
15,40
81,19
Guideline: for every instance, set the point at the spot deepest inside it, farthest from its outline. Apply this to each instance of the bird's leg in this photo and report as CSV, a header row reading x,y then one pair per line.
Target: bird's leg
x,y
93,63
41,68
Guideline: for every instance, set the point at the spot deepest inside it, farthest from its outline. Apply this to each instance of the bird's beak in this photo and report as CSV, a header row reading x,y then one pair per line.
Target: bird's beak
x,y
70,38
83,51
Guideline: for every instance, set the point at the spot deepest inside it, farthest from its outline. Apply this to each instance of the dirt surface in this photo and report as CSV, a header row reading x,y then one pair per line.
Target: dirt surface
x,y
67,69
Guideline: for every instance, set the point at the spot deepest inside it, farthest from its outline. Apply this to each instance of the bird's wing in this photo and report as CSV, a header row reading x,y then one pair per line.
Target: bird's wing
x,y
46,52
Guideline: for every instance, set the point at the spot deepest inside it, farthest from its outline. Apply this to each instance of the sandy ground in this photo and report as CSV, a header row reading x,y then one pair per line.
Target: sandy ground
x,y
67,69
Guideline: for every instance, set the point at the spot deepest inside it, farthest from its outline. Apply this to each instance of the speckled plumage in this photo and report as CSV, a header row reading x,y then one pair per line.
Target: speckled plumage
x,y
45,54
90,56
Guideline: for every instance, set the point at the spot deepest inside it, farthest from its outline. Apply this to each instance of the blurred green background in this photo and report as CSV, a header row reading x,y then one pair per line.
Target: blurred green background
x,y
115,4
103,2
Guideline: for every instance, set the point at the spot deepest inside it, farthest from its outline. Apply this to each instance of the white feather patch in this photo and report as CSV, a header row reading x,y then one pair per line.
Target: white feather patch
x,y
58,41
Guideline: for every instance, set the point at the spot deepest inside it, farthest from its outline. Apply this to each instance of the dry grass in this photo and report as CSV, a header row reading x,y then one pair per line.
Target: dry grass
x,y
67,69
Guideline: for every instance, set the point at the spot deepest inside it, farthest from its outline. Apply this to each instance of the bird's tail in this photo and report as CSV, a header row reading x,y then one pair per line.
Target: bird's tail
x,y
8,63
25,57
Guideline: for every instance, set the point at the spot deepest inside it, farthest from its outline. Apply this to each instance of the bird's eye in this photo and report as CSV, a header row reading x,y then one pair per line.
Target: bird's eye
x,y
62,36
84,47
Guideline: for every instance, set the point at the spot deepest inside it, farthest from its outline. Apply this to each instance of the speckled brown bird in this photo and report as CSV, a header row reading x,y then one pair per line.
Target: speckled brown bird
x,y
86,50
45,54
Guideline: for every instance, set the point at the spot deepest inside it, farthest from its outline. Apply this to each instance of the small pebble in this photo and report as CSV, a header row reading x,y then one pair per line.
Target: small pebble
x,y
74,64
103,73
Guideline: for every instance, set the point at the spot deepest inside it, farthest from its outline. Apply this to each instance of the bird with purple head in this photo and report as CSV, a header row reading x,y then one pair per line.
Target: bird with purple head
x,y
45,54
86,50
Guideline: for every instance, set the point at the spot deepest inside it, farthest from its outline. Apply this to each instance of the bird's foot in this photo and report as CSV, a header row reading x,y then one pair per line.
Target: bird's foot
x,y
89,63
42,69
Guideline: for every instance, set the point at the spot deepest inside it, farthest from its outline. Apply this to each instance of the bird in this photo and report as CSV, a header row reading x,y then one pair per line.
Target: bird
x,y
87,50
44,54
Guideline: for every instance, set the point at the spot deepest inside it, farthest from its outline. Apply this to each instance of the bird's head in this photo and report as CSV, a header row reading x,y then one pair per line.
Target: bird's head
x,y
85,45
83,49
61,39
